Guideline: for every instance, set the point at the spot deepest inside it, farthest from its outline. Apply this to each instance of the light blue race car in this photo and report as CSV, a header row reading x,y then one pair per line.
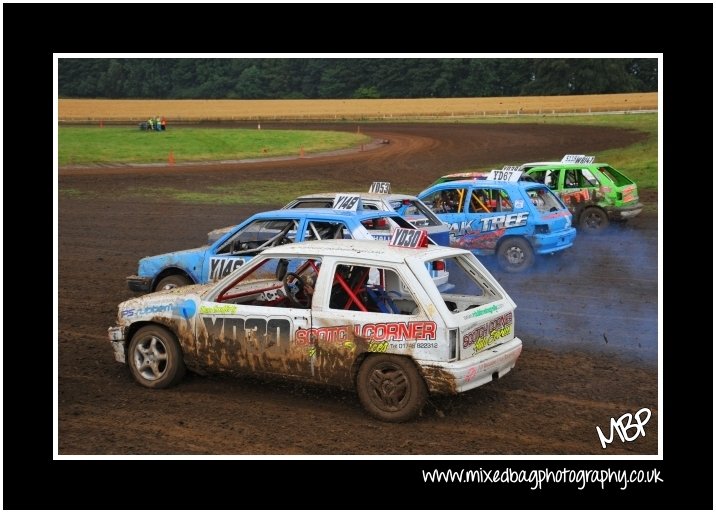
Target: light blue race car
x,y
511,219
380,197
239,244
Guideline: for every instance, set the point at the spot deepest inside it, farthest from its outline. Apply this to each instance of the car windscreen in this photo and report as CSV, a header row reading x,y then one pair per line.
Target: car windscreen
x,y
259,235
544,200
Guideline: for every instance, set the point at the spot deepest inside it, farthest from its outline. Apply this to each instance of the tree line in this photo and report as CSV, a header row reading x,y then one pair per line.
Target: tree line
x,y
323,78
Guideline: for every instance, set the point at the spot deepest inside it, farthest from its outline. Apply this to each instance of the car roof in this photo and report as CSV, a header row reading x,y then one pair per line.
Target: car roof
x,y
475,175
368,249
323,213
562,164
376,196
486,184
545,163
466,174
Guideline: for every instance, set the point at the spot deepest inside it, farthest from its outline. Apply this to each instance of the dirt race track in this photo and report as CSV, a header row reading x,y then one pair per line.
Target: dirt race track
x,y
588,319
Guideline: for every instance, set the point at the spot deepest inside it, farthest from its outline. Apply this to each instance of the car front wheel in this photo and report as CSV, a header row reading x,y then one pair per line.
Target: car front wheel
x,y
155,358
390,387
173,281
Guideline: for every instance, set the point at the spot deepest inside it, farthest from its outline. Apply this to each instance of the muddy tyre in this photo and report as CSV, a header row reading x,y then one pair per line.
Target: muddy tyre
x,y
390,387
155,358
172,282
593,220
515,255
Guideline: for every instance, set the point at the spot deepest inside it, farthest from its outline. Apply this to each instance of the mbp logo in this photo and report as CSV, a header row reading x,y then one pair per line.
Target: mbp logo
x,y
622,426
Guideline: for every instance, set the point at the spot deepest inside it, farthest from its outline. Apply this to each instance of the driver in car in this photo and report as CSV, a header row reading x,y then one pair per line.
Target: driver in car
x,y
309,283
305,283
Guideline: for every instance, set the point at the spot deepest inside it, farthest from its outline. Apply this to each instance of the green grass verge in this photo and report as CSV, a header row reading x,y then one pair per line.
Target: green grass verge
x,y
638,161
125,145
252,192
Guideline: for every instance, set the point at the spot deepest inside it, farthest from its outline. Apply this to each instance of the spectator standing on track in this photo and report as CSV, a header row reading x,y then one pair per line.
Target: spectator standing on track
x,y
164,123
150,123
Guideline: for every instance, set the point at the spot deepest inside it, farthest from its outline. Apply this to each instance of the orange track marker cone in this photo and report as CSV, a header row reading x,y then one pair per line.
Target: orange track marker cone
x,y
171,157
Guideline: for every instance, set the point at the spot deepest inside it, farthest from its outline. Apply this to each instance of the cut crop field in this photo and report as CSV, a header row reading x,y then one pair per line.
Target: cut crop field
x,y
70,110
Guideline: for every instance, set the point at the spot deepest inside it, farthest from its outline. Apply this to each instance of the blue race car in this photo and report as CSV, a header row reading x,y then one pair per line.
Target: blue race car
x,y
242,242
511,219
380,197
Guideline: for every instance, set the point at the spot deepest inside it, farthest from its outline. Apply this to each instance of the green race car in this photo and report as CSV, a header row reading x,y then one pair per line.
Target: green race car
x,y
595,193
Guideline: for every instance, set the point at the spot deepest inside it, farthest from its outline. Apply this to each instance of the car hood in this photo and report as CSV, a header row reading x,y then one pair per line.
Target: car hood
x,y
151,265
177,302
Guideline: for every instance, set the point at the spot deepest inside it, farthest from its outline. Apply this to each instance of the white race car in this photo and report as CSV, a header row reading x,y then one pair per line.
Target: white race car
x,y
380,197
363,314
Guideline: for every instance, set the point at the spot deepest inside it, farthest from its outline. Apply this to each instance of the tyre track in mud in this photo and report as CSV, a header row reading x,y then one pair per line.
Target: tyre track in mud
x,y
233,422
549,404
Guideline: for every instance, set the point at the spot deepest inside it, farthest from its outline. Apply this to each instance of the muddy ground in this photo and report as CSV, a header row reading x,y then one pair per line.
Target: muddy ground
x,y
587,319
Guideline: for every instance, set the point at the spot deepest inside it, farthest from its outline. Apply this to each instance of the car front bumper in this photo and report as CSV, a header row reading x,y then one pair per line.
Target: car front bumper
x,y
463,375
139,283
116,338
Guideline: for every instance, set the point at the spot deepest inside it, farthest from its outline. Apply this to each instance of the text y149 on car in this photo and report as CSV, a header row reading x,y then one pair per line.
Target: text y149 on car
x,y
261,231
356,314
511,219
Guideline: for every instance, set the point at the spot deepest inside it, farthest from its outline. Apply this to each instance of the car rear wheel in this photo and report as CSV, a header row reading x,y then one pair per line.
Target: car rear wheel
x,y
515,255
593,220
172,282
155,358
390,387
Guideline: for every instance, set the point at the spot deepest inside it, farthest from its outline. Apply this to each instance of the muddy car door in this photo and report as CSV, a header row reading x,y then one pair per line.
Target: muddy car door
x,y
361,309
252,322
490,213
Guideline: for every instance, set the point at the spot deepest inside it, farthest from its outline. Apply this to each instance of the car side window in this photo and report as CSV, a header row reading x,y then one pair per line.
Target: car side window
x,y
480,201
320,230
588,179
571,179
489,200
446,201
369,289
549,177
273,282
